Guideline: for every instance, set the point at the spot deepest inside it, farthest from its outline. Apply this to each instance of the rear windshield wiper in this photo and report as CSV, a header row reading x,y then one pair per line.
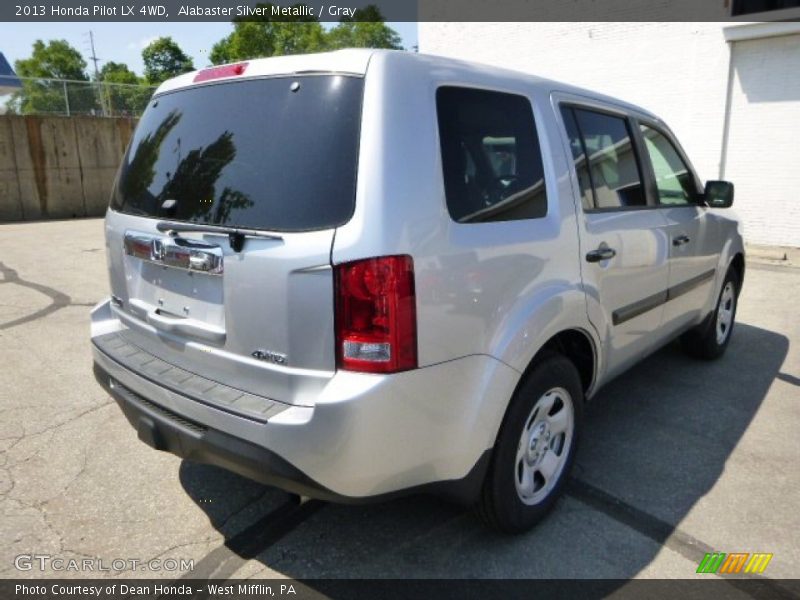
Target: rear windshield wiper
x,y
235,235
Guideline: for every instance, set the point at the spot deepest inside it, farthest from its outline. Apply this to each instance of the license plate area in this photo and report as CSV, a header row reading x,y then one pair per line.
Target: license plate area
x,y
175,277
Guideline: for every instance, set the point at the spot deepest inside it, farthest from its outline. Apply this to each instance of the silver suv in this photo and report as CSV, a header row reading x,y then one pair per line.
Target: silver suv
x,y
364,273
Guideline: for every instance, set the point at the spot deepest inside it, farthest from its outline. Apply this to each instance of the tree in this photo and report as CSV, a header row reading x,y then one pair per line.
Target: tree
x,y
54,60
125,94
365,30
264,36
257,39
113,72
269,36
163,59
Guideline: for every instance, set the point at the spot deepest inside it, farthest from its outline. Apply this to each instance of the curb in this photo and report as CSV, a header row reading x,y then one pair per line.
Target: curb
x,y
773,255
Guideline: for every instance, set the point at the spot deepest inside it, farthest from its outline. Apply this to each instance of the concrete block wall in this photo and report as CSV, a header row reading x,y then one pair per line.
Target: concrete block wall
x,y
58,167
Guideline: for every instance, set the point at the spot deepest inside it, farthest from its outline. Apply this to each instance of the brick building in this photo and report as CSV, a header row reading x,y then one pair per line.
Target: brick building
x,y
730,91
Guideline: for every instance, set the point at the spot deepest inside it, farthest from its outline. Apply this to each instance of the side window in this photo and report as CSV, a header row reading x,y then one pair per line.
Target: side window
x,y
491,159
612,166
579,157
675,182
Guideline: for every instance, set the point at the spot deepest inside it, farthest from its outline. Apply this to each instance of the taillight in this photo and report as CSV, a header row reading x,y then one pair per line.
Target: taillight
x,y
376,315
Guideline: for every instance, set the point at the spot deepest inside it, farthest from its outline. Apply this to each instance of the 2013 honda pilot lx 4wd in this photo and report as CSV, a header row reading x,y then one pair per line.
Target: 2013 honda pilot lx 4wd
x,y
363,273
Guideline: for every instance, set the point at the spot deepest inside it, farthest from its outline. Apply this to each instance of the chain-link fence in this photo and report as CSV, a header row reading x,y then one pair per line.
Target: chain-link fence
x,y
30,96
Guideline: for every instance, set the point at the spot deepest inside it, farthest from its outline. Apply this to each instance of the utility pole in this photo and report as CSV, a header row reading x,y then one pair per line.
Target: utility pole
x,y
95,60
94,56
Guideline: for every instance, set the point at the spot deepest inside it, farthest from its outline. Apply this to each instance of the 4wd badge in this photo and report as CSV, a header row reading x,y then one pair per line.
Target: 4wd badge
x,y
269,356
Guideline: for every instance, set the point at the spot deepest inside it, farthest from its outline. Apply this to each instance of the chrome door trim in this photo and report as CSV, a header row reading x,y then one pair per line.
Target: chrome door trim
x,y
175,252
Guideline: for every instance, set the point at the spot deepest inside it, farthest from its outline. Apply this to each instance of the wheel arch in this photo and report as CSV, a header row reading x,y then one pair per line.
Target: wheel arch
x,y
576,345
579,347
737,264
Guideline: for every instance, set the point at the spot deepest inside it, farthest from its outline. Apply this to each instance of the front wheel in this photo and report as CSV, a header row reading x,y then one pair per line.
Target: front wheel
x,y
710,339
535,448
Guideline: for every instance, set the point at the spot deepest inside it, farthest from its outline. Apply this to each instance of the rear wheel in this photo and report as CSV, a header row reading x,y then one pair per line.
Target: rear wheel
x,y
710,339
535,448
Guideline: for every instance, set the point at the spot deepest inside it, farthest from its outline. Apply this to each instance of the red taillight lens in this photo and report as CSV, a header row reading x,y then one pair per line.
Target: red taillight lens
x,y
376,315
221,71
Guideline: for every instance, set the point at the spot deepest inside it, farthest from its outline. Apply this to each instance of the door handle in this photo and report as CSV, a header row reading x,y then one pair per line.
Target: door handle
x,y
603,253
681,240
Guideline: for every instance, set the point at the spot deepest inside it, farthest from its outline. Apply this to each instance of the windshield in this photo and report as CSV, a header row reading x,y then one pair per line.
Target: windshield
x,y
277,154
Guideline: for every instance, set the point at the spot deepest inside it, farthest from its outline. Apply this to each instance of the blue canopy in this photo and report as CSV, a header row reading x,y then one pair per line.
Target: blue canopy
x,y
9,82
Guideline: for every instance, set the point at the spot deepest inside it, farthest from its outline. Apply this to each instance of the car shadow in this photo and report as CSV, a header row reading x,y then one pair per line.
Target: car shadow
x,y
655,441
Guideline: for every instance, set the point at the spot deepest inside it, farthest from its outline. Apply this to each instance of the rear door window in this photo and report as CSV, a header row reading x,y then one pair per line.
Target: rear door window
x,y
606,159
277,154
491,159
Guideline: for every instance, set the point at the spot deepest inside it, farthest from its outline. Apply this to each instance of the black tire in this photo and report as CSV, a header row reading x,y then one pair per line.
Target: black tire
x,y
703,342
501,505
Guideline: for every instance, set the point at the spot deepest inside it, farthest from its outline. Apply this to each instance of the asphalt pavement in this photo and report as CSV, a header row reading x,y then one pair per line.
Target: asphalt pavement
x,y
679,457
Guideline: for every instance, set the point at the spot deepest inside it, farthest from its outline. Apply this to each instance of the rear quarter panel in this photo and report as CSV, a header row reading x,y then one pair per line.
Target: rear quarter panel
x,y
500,289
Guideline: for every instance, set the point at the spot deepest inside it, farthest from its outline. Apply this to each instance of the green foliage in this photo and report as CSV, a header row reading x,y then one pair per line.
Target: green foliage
x,y
358,34
113,72
54,60
163,59
365,30
54,81
127,95
253,39
265,36
269,36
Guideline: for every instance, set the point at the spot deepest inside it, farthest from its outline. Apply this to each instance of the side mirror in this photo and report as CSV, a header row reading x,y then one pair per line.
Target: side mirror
x,y
719,194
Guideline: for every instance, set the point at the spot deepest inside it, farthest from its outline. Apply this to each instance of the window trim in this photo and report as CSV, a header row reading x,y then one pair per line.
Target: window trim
x,y
672,140
537,130
586,158
650,200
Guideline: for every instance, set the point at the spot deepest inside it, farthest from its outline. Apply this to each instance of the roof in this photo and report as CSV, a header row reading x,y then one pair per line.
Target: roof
x,y
340,61
9,82
355,61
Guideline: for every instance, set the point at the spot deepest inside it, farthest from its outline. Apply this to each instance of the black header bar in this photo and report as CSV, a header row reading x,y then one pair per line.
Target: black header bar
x,y
401,10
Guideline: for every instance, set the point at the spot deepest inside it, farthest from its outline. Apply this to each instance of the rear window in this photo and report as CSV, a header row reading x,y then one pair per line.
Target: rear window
x,y
277,154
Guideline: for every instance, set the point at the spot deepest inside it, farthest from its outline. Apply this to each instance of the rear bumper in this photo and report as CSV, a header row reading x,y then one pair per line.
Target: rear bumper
x,y
164,430
367,437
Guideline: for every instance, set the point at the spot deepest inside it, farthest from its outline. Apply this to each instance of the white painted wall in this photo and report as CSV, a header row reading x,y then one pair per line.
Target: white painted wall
x,y
679,71
764,138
